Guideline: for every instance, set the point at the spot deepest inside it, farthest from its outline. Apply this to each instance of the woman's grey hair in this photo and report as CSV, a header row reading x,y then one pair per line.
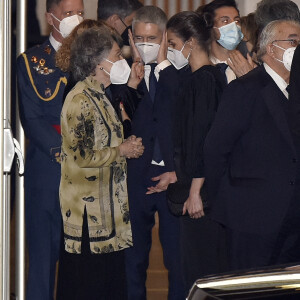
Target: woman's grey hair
x,y
271,10
88,50
150,14
268,35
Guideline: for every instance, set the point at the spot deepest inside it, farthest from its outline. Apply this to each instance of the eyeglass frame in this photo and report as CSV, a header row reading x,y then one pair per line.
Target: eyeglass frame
x,y
296,42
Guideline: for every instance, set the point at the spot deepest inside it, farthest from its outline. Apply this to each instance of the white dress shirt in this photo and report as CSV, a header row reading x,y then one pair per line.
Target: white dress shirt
x,y
157,69
230,75
280,82
54,43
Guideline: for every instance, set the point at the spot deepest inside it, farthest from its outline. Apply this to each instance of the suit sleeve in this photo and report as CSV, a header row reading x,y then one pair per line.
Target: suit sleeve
x,y
78,135
232,119
168,84
37,129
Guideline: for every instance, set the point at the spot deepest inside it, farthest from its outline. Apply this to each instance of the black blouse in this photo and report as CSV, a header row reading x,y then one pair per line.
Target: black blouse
x,y
195,110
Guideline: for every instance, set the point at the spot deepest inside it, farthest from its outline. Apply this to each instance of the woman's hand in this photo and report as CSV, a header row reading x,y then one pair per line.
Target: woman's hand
x,y
136,75
163,49
136,57
132,147
193,205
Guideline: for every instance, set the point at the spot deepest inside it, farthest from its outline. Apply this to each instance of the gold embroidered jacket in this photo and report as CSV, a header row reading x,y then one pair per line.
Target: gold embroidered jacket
x,y
93,173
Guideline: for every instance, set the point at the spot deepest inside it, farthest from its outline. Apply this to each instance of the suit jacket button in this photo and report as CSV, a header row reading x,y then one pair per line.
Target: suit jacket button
x,y
154,119
292,182
295,160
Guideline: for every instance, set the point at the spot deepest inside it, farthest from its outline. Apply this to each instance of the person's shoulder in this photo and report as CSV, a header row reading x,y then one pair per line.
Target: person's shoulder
x,y
254,77
250,83
37,67
44,49
205,74
77,92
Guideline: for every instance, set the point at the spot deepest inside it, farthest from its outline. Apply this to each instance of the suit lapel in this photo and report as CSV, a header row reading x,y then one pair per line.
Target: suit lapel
x,y
273,98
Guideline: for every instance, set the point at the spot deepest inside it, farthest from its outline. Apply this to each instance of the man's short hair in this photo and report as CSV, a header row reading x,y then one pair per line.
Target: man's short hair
x,y
271,10
211,7
51,3
122,8
150,14
268,35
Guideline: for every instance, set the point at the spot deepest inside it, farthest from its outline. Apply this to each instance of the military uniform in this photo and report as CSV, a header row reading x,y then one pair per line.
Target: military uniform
x,y
41,87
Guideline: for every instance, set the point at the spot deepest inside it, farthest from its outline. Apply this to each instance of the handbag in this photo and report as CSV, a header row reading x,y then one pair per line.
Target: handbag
x,y
178,193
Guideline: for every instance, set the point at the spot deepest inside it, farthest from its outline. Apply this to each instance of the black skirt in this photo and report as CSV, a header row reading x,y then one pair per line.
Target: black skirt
x,y
91,276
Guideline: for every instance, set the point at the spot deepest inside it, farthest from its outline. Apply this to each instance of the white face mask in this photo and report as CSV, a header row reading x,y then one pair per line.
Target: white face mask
x,y
231,36
119,72
67,24
287,57
177,58
148,51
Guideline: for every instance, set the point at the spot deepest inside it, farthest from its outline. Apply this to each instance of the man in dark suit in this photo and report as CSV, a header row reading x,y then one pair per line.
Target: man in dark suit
x,y
41,87
119,15
150,175
252,153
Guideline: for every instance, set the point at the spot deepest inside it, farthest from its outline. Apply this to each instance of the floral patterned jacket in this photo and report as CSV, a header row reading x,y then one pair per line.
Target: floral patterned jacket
x,y
93,173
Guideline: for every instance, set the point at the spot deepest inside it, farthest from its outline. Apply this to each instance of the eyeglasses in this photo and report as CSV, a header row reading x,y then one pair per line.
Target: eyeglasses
x,y
293,42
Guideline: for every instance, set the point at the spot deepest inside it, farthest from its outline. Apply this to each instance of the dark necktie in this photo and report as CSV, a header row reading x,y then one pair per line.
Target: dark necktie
x,y
223,67
157,157
288,88
152,82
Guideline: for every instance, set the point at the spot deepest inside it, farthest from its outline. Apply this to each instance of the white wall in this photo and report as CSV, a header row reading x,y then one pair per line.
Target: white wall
x,y
248,6
245,7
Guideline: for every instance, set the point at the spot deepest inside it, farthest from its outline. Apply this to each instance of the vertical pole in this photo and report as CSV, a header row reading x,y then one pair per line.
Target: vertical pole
x,y
5,98
20,207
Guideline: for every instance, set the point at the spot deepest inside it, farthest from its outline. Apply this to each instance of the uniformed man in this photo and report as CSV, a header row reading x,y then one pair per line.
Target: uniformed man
x,y
41,88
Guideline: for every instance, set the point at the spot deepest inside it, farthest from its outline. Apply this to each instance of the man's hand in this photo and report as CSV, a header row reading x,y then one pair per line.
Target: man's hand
x,y
163,49
239,64
163,182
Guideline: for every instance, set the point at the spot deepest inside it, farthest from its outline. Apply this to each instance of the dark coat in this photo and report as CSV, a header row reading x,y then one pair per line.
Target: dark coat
x,y
250,157
40,104
153,120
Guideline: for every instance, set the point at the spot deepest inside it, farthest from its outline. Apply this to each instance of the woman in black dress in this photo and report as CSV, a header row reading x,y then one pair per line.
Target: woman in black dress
x,y
202,240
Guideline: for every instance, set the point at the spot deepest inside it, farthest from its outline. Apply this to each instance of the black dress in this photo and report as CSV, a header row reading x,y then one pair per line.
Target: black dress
x,y
202,241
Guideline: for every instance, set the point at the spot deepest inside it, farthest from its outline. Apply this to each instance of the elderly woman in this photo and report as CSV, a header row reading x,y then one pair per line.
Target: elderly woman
x,y
124,97
93,191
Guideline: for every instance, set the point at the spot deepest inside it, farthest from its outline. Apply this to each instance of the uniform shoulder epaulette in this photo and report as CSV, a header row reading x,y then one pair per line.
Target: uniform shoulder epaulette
x,y
38,59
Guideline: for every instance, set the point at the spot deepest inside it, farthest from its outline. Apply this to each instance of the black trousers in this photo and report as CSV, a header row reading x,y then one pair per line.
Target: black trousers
x,y
91,276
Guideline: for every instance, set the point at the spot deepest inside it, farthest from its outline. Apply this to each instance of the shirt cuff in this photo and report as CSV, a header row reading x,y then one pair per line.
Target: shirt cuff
x,y
165,63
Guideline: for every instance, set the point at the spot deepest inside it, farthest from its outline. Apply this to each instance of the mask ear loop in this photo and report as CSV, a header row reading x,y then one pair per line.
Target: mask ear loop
x,y
102,69
189,52
123,22
56,20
